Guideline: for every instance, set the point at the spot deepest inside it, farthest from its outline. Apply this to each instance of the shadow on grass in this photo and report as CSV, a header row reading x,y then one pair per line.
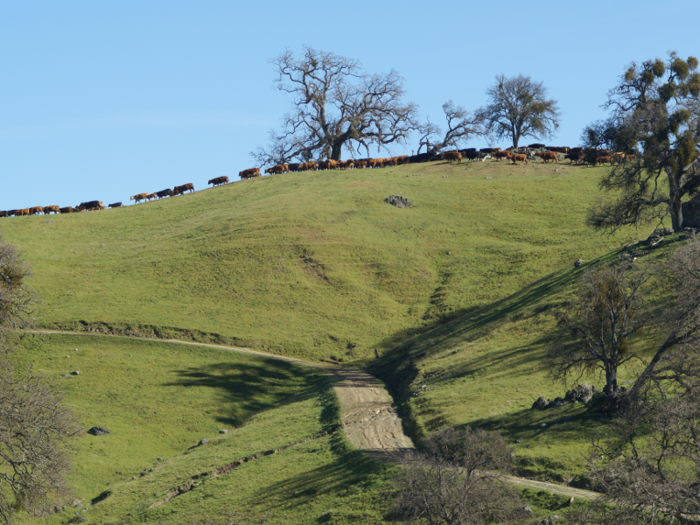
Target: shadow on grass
x,y
245,389
352,471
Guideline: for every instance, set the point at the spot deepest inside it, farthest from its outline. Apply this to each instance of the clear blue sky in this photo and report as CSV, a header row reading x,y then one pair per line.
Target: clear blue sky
x,y
103,99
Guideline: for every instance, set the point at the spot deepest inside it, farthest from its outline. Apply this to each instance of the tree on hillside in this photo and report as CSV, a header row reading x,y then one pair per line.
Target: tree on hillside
x,y
654,109
34,427
15,299
596,331
518,107
451,480
461,125
335,105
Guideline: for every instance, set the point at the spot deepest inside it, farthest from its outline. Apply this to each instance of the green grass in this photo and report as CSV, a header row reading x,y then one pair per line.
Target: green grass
x,y
486,368
159,399
314,264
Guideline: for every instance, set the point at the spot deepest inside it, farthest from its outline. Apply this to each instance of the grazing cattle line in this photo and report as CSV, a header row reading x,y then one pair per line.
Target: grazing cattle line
x,y
579,155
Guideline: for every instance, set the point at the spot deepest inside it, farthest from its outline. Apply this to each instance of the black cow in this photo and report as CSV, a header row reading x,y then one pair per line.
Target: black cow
x,y
164,193
116,205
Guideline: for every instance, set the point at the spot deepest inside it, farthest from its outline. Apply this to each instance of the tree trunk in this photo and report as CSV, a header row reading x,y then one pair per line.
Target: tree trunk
x,y
336,151
675,206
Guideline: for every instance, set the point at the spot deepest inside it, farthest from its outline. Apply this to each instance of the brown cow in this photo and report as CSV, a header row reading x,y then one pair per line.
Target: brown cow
x,y
179,190
53,208
451,156
138,197
249,173
501,155
67,209
563,150
308,166
149,197
36,210
631,157
519,157
603,159
218,180
361,164
24,211
347,164
547,156
278,169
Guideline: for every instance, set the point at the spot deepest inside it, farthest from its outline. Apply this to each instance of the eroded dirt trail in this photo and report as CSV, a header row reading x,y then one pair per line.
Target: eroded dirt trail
x,y
369,419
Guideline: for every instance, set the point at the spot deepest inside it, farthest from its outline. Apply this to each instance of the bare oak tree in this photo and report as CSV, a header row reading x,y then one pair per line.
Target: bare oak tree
x,y
518,107
654,110
461,126
596,331
451,480
335,105
35,430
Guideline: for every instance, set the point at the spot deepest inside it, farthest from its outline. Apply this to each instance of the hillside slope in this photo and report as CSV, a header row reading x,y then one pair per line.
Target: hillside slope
x,y
314,264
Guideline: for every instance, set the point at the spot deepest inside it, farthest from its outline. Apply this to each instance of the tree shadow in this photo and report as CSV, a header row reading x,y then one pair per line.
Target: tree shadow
x,y
245,388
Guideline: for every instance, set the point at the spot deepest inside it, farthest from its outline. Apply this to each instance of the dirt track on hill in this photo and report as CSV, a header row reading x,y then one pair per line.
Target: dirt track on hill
x,y
370,421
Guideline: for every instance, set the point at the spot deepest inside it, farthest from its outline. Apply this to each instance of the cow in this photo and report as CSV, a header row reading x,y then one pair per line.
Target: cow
x,y
576,150
3,214
304,166
519,157
452,156
66,209
361,164
402,159
164,193
347,164
91,205
218,180
546,156
501,155
249,173
115,205
23,212
151,196
13,213
605,158
138,197
277,170
292,167
180,190
574,157
49,209
36,210
470,155
631,157
536,146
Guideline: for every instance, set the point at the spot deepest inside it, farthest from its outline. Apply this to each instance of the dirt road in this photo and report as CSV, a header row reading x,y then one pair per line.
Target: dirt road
x,y
369,418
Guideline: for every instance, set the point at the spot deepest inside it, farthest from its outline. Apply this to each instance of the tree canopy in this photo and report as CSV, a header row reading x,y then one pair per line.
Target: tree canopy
x,y
518,107
335,105
654,110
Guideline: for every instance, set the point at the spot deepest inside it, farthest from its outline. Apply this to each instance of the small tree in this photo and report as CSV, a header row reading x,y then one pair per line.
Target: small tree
x,y
451,480
461,125
596,332
654,109
518,107
335,105
16,300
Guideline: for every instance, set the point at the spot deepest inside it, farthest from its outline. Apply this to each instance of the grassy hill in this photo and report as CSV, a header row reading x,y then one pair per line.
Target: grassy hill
x,y
313,264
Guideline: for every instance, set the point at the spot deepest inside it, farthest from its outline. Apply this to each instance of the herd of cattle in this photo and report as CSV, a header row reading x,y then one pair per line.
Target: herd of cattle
x,y
588,156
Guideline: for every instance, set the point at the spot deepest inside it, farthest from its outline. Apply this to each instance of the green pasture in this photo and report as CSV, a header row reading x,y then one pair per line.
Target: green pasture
x,y
313,264
487,367
160,399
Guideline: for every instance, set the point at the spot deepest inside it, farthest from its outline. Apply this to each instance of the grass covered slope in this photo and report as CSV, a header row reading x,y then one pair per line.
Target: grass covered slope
x,y
487,367
160,399
314,264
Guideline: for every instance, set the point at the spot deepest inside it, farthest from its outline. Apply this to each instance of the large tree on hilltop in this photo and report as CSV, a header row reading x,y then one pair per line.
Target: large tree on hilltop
x,y
518,107
654,110
335,104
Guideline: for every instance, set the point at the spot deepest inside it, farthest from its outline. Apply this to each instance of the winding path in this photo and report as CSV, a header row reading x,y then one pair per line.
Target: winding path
x,y
369,419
